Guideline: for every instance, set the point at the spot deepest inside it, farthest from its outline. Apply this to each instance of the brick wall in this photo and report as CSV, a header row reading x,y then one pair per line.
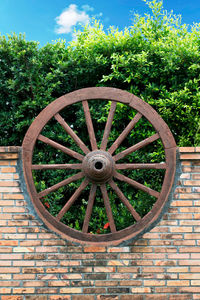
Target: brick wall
x,y
37,264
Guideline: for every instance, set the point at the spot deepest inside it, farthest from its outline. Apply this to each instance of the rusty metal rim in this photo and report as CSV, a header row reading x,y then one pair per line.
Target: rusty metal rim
x,y
115,95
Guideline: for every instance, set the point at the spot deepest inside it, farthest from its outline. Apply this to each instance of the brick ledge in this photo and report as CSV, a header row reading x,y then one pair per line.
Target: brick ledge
x,y
13,149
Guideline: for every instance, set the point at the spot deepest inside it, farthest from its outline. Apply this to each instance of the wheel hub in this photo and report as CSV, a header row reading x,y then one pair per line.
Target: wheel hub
x,y
98,166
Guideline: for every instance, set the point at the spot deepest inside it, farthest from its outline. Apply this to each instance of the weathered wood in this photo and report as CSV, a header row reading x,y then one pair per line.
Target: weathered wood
x,y
141,166
56,166
108,207
108,125
60,184
121,196
60,147
71,133
90,127
124,133
136,146
72,199
89,208
136,184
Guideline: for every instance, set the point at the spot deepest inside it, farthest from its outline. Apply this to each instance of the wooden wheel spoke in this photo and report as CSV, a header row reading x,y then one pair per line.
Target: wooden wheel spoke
x,y
124,133
74,136
89,208
108,207
60,147
72,199
141,166
121,196
136,184
89,125
108,125
136,146
56,166
60,184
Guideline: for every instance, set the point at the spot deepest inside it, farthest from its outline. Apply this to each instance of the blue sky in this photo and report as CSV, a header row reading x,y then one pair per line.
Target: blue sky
x,y
48,20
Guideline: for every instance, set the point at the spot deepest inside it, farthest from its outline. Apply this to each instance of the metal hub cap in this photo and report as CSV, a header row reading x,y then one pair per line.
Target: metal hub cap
x,y
98,166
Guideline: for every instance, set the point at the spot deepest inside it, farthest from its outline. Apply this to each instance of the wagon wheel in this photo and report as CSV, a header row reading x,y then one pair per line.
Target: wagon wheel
x,y
99,167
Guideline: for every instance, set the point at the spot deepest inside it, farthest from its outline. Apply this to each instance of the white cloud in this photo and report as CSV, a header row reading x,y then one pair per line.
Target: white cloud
x,y
72,16
86,7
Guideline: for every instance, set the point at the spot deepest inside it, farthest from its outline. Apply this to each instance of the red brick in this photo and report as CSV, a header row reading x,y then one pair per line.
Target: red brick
x,y
153,270
71,290
195,269
14,209
158,297
178,283
189,249
5,291
7,229
9,183
181,216
195,255
59,297
46,290
165,262
104,269
184,243
9,283
8,170
141,249
192,236
5,249
6,203
130,256
181,297
23,263
131,297
154,282
94,249
189,289
181,229
11,297
183,190
9,270
186,149
8,243
182,203
30,243
189,276
13,196
163,289
94,290
75,276
118,249
23,276
32,270
189,196
54,243
46,249
85,297
36,297
177,269
23,249
34,283
140,290
190,156
23,290
189,262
